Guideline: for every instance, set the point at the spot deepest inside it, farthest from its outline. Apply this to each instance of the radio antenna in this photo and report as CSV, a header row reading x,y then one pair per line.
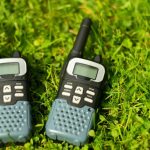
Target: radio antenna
x,y
79,44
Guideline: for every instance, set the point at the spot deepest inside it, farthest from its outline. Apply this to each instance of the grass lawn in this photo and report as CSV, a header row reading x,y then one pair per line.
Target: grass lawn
x,y
44,32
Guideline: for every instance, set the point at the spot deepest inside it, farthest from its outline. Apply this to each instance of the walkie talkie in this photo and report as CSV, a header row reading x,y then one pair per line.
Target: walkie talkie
x,y
73,110
15,119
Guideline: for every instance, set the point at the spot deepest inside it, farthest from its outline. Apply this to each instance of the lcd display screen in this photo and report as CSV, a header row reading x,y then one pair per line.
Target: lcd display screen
x,y
9,68
85,71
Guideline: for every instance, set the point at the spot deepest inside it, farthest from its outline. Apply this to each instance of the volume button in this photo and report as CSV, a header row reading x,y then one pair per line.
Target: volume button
x,y
7,98
6,89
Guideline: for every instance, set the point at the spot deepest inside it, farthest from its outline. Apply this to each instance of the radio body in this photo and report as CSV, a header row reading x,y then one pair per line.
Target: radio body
x,y
73,111
15,118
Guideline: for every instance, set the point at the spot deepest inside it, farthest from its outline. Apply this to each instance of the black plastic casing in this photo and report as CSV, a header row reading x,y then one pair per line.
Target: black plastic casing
x,y
12,80
85,83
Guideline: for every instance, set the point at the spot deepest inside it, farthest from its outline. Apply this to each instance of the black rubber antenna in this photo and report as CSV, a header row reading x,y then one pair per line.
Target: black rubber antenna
x,y
78,48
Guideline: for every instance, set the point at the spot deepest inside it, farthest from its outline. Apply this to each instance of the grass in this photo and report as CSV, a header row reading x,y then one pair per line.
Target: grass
x,y
44,32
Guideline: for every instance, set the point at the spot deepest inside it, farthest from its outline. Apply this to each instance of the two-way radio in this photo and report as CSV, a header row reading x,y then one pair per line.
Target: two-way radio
x,y
73,110
15,119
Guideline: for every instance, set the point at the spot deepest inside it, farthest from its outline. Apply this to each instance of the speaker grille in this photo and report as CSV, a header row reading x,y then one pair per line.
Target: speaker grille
x,y
13,117
70,119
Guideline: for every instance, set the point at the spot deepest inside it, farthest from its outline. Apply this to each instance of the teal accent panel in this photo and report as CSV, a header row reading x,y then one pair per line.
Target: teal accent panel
x,y
69,123
15,122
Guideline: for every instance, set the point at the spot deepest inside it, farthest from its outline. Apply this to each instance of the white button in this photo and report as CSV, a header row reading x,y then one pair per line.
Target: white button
x,y
79,90
7,98
68,86
19,94
76,99
65,93
88,100
90,92
6,88
18,87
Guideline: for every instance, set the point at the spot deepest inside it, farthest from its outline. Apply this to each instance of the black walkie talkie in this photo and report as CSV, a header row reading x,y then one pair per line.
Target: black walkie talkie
x,y
15,117
73,110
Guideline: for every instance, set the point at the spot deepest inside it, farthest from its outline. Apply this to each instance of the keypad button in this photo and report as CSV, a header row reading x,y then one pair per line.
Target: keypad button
x,y
76,99
88,100
79,90
18,87
7,98
19,94
90,92
68,86
65,93
6,89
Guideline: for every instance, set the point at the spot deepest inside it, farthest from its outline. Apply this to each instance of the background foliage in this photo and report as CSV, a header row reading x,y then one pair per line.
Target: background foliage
x,y
44,32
